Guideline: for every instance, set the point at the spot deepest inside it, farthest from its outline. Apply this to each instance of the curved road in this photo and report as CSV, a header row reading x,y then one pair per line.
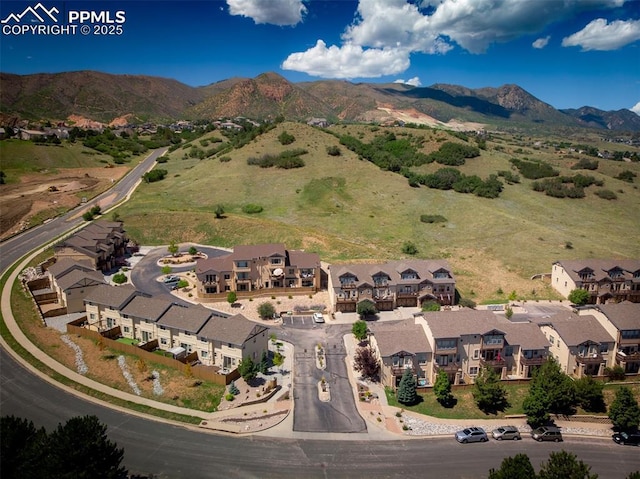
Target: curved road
x,y
175,451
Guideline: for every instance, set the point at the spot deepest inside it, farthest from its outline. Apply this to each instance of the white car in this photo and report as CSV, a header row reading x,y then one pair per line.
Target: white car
x,y
318,318
171,279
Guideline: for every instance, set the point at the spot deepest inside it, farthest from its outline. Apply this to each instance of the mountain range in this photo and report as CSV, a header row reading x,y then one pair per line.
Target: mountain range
x,y
105,97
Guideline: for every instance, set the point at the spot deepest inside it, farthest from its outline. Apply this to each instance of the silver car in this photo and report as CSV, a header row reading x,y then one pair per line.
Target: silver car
x,y
471,434
506,432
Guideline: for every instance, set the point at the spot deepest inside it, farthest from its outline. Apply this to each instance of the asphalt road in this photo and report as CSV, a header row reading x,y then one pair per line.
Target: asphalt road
x,y
174,451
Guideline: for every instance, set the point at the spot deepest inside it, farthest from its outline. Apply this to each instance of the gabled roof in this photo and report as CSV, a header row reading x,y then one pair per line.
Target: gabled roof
x,y
258,251
302,259
78,278
453,324
115,297
600,268
393,269
397,336
575,330
623,316
235,330
150,309
185,318
65,265
299,259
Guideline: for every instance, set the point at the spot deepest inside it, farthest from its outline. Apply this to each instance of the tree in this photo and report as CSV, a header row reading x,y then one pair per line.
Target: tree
x,y
80,449
232,297
173,248
442,389
489,394
565,465
119,278
366,308
247,369
219,211
233,389
579,296
508,312
359,329
193,250
407,388
550,392
624,411
589,394
263,365
366,362
166,270
22,448
278,359
266,310
516,467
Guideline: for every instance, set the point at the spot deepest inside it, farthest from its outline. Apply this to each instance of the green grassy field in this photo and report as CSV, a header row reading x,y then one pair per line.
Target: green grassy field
x,y
346,208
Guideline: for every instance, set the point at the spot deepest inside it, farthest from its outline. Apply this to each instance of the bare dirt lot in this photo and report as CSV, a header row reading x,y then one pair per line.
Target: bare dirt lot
x,y
40,196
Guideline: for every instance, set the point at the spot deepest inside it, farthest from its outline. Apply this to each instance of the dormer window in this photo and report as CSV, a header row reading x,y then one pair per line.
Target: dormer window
x,y
409,274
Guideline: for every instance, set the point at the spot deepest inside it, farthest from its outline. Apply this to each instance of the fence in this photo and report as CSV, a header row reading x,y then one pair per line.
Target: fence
x,y
198,371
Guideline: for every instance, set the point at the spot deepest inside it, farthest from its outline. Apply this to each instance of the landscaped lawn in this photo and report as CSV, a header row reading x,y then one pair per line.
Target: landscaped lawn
x,y
133,342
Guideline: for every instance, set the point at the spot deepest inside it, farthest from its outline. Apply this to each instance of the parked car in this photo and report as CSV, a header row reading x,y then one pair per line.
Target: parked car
x,y
471,434
627,438
506,432
318,318
547,433
171,278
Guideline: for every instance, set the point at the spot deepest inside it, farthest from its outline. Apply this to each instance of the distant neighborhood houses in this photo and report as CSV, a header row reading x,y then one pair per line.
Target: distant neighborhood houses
x,y
584,340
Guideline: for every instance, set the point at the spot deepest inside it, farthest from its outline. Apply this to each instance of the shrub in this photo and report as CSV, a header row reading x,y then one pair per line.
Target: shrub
x,y
119,278
432,219
285,138
585,164
225,159
333,150
616,373
467,303
627,176
229,397
266,310
154,175
252,209
430,306
409,248
534,170
607,195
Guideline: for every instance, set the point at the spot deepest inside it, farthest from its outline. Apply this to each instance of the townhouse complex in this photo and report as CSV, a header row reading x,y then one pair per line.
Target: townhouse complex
x,y
218,340
605,280
460,342
258,269
583,342
390,285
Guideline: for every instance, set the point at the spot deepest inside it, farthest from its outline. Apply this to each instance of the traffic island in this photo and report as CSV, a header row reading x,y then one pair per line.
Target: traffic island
x,y
323,391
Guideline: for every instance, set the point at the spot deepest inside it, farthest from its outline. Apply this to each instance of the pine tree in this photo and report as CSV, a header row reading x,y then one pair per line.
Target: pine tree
x,y
263,366
624,411
442,389
407,388
489,394
565,465
233,389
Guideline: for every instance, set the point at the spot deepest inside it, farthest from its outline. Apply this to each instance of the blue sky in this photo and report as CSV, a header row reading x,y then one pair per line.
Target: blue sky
x,y
568,53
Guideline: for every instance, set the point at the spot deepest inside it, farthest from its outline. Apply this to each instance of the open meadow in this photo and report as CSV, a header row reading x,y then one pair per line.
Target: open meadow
x,y
346,208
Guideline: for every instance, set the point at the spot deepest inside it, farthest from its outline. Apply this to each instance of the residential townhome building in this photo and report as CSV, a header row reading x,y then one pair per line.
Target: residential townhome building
x,y
465,341
100,243
622,321
138,319
252,270
179,327
72,281
104,305
580,344
232,339
390,285
401,345
605,280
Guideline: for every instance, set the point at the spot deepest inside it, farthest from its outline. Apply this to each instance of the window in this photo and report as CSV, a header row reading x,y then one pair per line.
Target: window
x,y
446,343
92,316
242,264
473,371
630,334
163,341
552,339
126,329
508,351
476,353
204,354
604,347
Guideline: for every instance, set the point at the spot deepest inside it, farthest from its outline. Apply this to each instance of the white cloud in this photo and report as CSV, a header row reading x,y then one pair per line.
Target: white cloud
x,y
601,35
280,12
415,81
391,30
348,61
636,108
541,42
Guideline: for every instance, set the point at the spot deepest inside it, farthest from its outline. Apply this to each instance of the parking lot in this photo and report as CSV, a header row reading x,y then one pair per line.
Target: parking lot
x,y
299,321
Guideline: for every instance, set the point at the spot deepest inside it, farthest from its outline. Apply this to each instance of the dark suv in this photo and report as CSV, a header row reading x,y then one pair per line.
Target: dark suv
x,y
547,433
627,438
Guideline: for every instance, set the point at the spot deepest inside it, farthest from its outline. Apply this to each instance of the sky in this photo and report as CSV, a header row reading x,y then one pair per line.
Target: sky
x,y
568,53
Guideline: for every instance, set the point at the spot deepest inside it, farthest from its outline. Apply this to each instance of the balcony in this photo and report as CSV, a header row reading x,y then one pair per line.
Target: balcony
x,y
399,370
407,294
591,358
492,363
348,285
537,361
447,368
446,349
630,357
